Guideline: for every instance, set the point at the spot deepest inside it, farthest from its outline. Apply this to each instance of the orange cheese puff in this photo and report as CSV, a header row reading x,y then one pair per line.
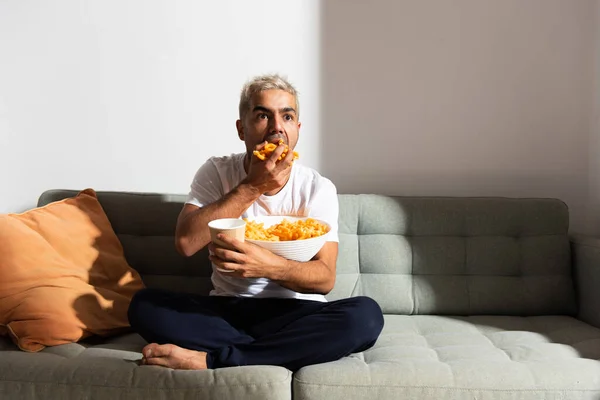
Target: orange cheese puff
x,y
285,230
269,148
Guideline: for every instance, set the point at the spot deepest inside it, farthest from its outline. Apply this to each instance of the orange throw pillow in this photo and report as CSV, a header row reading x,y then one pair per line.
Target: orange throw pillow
x,y
63,275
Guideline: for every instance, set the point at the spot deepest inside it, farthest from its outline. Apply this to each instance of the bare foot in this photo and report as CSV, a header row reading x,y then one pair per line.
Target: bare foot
x,y
171,356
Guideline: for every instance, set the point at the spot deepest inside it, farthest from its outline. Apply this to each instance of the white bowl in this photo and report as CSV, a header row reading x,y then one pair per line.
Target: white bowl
x,y
297,250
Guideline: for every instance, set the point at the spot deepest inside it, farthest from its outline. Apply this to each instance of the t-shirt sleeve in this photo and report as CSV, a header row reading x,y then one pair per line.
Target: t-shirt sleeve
x,y
206,188
324,205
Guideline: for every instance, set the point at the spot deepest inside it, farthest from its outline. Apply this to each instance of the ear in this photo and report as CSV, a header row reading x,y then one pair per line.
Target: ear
x,y
299,125
240,129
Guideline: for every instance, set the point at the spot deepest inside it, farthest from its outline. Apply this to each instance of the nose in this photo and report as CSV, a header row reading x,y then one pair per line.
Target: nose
x,y
276,125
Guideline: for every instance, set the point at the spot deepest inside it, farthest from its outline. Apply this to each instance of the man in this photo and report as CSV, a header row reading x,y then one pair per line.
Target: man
x,y
264,309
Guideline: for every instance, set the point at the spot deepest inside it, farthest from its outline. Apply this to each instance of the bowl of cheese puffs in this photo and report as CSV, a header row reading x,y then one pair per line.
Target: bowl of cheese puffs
x,y
294,238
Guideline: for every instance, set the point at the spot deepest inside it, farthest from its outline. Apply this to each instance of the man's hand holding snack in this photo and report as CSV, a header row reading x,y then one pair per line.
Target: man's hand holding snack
x,y
270,169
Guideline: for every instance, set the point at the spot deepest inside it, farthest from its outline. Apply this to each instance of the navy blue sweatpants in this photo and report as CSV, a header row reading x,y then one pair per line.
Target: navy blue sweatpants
x,y
250,331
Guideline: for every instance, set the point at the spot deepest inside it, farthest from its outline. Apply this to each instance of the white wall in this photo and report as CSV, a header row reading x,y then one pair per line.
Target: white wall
x,y
135,95
435,97
462,97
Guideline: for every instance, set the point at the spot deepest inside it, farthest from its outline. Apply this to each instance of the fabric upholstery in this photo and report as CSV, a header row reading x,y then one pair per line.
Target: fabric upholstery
x,y
456,256
480,357
478,295
109,369
586,266
63,274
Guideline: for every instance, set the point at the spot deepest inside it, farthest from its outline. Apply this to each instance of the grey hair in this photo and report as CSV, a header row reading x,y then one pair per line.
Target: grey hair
x,y
265,82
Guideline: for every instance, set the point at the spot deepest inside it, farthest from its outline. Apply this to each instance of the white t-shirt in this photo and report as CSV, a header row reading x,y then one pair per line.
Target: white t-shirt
x,y
306,194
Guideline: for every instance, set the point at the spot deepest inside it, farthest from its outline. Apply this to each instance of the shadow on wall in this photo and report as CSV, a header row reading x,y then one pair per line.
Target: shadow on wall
x,y
414,102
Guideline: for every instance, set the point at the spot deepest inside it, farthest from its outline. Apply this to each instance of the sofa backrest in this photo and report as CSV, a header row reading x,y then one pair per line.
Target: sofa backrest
x,y
413,255
460,256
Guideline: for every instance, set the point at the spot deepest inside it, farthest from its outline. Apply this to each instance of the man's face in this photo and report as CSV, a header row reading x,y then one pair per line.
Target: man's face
x,y
272,116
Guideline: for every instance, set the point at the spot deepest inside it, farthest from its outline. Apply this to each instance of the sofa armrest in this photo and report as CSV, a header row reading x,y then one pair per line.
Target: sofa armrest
x,y
586,273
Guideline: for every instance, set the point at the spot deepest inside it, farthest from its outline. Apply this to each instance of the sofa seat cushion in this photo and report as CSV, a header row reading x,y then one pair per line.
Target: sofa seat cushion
x,y
109,369
483,357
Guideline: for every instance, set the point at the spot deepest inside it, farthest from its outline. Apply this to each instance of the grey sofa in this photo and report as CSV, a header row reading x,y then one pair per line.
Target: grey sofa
x,y
484,298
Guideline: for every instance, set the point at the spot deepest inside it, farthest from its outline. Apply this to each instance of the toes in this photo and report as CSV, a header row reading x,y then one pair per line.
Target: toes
x,y
147,350
172,356
157,350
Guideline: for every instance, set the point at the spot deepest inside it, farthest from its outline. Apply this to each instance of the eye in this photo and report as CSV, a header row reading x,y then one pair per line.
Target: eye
x,y
262,116
288,117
